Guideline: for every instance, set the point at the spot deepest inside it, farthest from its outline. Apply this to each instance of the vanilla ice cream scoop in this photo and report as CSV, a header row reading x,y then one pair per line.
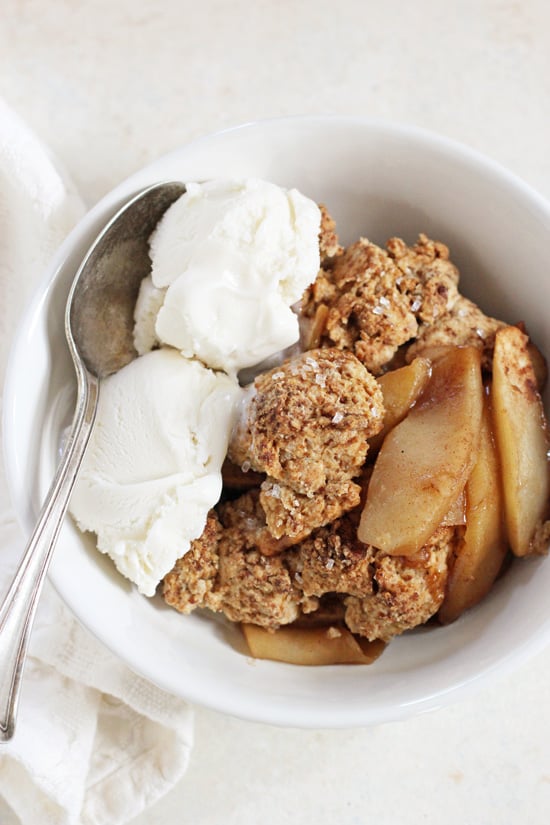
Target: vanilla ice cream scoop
x,y
153,466
229,258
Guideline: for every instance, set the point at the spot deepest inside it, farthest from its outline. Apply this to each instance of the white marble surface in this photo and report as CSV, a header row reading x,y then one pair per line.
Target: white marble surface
x,y
111,84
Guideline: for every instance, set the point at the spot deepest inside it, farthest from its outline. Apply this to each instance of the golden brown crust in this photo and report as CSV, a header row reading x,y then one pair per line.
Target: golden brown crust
x,y
225,572
369,314
295,515
463,325
246,517
333,560
430,278
194,576
309,420
329,245
406,592
254,587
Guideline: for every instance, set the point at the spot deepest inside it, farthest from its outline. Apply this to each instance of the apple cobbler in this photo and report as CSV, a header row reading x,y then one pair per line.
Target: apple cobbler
x,y
381,477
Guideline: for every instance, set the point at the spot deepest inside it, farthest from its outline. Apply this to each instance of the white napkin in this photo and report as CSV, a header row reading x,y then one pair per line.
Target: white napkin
x,y
94,744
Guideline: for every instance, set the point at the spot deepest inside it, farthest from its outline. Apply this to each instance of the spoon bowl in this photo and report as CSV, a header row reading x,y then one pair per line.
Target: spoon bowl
x,y
100,308
98,328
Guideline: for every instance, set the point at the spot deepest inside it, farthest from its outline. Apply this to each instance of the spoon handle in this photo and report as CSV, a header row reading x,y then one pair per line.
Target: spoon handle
x,y
19,606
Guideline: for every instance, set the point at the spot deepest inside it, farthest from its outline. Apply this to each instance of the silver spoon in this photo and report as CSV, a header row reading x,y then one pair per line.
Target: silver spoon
x,y
98,327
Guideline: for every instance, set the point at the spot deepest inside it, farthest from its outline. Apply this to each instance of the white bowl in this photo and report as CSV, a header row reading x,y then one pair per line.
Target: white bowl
x,y
378,180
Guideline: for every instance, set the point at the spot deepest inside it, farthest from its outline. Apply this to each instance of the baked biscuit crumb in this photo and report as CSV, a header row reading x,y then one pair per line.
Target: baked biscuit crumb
x,y
226,572
368,311
308,421
406,591
433,278
194,576
333,560
296,515
463,325
329,245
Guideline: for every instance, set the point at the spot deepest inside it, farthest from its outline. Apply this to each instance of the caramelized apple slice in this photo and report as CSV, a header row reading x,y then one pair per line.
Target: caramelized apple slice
x,y
483,548
311,645
401,388
456,516
521,436
425,460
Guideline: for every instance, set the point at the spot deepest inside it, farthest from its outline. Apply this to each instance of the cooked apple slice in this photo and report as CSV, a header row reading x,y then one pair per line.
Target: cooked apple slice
x,y
311,645
456,516
401,388
482,550
425,460
522,438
